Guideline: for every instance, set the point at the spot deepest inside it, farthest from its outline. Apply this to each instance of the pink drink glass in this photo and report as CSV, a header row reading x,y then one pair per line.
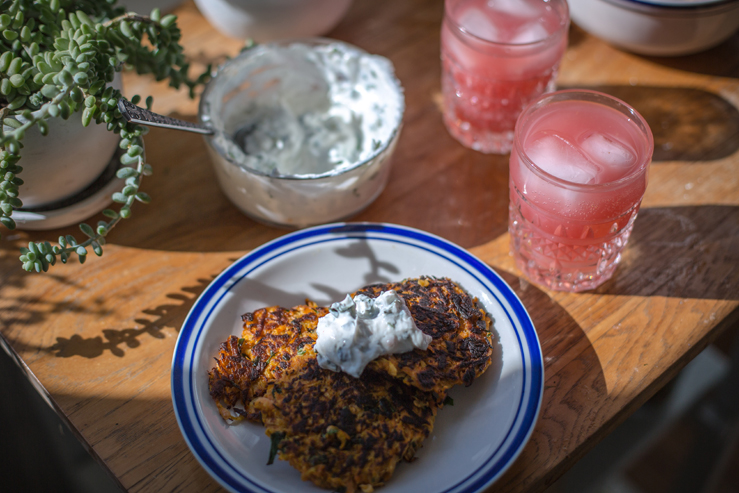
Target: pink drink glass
x,y
578,172
497,56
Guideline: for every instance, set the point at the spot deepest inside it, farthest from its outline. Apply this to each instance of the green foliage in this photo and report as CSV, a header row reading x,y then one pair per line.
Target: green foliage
x,y
57,59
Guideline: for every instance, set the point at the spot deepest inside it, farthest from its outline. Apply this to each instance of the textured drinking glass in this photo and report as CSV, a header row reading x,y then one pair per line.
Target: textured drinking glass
x,y
578,172
497,56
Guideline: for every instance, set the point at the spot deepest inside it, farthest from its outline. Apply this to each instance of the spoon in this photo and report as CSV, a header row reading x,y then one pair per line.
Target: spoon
x,y
136,114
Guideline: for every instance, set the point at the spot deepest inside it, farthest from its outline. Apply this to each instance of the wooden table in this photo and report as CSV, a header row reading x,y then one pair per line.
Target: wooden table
x,y
99,338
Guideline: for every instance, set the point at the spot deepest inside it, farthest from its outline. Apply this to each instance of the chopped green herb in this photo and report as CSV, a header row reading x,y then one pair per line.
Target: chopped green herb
x,y
386,407
275,439
271,355
317,459
448,401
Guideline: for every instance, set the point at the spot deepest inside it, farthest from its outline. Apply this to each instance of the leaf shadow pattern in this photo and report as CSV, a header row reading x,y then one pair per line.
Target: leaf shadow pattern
x,y
28,310
361,249
113,340
20,310
261,292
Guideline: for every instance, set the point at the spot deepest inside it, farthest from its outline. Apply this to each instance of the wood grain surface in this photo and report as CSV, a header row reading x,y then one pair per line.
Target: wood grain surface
x,y
98,339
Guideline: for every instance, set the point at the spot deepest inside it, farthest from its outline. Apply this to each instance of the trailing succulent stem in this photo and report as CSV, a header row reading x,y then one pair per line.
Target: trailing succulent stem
x,y
39,256
57,59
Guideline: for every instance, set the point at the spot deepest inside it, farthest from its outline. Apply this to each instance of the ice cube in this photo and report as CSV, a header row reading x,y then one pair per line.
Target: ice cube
x,y
607,151
523,9
557,156
529,32
478,23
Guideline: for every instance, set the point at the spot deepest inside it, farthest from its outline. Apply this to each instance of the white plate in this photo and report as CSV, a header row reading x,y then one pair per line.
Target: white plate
x,y
473,441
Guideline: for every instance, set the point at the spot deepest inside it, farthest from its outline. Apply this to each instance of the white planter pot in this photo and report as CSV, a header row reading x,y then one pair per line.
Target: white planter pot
x,y
59,170
269,20
64,162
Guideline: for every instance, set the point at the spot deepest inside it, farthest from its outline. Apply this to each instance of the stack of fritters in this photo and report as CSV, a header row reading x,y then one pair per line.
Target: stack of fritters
x,y
341,432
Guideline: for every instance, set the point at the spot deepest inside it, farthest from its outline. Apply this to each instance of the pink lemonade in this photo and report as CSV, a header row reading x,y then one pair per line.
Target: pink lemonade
x,y
497,56
578,172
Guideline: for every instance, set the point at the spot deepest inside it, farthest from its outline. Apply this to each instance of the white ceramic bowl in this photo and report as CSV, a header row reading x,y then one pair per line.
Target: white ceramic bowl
x,y
254,91
269,20
658,27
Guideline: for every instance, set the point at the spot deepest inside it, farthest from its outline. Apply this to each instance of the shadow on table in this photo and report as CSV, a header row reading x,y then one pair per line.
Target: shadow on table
x,y
156,321
153,323
681,252
721,61
29,310
574,381
561,337
688,124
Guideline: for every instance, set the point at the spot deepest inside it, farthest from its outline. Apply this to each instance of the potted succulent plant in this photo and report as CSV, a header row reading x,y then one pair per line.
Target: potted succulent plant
x,y
59,65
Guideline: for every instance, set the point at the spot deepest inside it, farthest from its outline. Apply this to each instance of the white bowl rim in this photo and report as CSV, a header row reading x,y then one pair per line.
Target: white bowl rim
x,y
688,7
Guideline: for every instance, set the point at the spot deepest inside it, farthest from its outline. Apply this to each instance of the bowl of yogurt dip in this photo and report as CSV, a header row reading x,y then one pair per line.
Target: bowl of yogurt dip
x,y
303,130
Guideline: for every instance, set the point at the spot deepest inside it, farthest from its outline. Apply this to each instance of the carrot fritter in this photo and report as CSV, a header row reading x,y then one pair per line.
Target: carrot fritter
x,y
344,433
462,342
273,339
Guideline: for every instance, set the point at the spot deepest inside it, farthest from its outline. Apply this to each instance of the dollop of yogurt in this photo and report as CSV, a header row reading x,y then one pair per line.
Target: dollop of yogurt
x,y
358,330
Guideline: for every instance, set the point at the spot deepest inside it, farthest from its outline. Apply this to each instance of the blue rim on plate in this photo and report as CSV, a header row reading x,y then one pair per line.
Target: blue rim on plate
x,y
680,5
184,380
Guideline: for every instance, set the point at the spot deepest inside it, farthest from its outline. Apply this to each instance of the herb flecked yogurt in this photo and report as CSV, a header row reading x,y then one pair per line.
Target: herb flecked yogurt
x,y
303,130
358,330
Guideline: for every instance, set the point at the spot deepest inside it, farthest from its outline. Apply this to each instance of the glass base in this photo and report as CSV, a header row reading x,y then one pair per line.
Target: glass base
x,y
564,265
479,140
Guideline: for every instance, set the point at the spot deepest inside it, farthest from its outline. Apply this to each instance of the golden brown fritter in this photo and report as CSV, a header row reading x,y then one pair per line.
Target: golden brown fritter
x,y
462,342
344,433
273,339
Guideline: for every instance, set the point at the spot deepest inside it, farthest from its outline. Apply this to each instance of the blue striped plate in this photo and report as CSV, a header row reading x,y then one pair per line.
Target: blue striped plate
x,y
474,441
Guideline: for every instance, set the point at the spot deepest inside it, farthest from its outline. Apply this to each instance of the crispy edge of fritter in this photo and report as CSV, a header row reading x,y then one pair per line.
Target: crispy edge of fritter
x,y
345,433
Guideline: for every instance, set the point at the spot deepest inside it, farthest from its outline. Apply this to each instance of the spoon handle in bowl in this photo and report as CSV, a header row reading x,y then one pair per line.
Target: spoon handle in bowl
x,y
136,114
